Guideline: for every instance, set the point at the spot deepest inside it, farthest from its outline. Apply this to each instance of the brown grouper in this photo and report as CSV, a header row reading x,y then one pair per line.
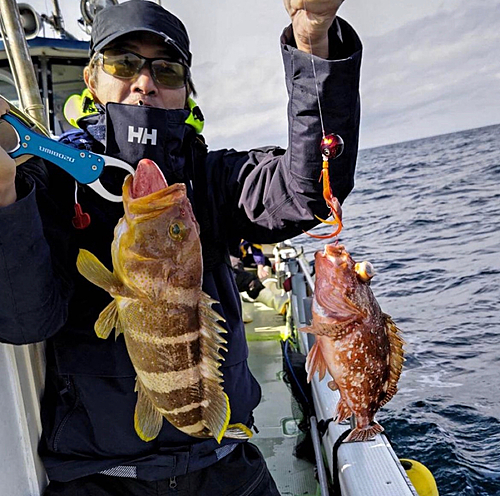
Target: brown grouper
x,y
358,344
171,332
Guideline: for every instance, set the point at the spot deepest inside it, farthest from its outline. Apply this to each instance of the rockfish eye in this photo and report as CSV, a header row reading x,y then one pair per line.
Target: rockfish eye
x,y
364,270
177,230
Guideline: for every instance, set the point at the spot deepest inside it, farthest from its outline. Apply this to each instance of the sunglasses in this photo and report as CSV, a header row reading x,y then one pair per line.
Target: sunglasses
x,y
127,65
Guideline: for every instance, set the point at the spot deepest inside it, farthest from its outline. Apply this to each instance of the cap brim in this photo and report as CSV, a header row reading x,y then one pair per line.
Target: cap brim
x,y
167,39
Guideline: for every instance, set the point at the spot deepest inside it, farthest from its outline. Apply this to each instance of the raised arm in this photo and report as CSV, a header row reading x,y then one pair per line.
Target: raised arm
x,y
272,194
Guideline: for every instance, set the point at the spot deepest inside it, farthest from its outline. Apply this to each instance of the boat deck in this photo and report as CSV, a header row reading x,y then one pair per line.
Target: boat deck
x,y
273,417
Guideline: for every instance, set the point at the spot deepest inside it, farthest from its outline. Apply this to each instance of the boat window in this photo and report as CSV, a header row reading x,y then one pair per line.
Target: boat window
x,y
67,80
8,87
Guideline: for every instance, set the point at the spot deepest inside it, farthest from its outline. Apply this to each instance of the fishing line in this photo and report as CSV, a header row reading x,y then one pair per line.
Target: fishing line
x,y
315,76
331,147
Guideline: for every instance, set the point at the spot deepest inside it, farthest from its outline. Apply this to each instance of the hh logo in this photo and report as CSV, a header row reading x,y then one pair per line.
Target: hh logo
x,y
141,135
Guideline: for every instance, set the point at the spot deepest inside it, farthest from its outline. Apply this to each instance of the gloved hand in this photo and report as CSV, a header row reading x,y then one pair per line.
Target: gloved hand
x,y
311,20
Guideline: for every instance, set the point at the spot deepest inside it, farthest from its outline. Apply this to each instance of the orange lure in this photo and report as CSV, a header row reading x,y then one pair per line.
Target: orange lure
x,y
332,146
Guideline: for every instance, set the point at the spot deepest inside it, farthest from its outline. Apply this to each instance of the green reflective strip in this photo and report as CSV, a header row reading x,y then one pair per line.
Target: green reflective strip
x,y
192,120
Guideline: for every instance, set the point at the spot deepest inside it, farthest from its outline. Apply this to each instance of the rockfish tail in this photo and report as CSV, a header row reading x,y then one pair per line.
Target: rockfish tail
x,y
170,329
356,342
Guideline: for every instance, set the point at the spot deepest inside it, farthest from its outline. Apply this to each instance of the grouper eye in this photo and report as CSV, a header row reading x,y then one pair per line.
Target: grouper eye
x,y
177,230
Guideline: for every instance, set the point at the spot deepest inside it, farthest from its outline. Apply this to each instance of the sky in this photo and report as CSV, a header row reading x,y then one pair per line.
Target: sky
x,y
429,67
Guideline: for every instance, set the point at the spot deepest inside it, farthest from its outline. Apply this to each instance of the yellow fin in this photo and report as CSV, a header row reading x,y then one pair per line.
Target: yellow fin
x,y
92,269
238,431
216,415
396,357
147,419
108,319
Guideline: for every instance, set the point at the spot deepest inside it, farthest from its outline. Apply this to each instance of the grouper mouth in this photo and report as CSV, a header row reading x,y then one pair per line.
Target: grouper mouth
x,y
148,179
147,191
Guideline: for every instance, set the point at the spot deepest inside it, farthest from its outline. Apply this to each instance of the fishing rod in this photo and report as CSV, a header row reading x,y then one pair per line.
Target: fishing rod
x,y
56,21
23,72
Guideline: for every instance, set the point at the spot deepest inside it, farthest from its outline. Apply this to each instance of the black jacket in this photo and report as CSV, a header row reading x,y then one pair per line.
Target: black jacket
x,y
263,195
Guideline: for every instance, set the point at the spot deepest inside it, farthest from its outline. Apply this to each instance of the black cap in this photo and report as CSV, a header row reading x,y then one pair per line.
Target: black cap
x,y
139,15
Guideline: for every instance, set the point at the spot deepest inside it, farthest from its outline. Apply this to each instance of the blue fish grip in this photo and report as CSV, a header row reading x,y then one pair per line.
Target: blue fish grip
x,y
84,166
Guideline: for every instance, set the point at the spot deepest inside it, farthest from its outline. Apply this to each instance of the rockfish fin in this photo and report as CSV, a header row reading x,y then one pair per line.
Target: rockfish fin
x,y
147,419
315,361
342,412
336,305
364,434
107,321
331,330
92,269
396,358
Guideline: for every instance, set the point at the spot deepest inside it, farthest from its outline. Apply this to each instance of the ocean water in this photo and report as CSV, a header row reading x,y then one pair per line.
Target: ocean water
x,y
426,213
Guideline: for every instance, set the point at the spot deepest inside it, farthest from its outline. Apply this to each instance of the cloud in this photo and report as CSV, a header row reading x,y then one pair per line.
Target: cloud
x,y
432,76
244,105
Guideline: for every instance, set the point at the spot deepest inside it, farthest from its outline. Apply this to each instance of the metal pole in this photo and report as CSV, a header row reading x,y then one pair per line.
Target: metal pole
x,y
20,61
58,19
57,22
322,477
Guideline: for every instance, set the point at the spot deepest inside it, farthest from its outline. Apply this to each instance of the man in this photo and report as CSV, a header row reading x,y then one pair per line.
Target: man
x,y
258,286
139,73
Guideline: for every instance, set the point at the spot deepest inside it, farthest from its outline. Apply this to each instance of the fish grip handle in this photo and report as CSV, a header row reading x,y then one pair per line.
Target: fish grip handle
x,y
84,166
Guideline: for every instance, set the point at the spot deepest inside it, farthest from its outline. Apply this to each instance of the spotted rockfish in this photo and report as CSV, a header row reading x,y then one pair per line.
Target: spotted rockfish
x,y
358,344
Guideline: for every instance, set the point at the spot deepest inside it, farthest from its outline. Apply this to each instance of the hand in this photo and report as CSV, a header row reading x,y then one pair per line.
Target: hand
x,y
263,272
7,169
311,20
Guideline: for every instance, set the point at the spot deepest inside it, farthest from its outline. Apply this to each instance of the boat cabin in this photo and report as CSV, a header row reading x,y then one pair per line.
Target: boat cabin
x,y
58,67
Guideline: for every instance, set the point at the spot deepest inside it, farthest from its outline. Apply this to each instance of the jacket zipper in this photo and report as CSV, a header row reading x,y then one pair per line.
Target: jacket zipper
x,y
66,418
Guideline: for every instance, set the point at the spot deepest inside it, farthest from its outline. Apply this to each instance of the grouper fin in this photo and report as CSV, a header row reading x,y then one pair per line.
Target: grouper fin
x,y
147,419
92,269
107,321
315,361
238,431
212,341
216,415
209,322
217,412
395,356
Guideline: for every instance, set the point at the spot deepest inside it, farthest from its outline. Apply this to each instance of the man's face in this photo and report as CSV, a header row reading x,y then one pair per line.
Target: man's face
x,y
142,89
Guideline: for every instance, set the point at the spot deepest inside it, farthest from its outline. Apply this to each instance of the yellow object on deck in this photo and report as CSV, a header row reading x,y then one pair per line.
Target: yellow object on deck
x,y
421,478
